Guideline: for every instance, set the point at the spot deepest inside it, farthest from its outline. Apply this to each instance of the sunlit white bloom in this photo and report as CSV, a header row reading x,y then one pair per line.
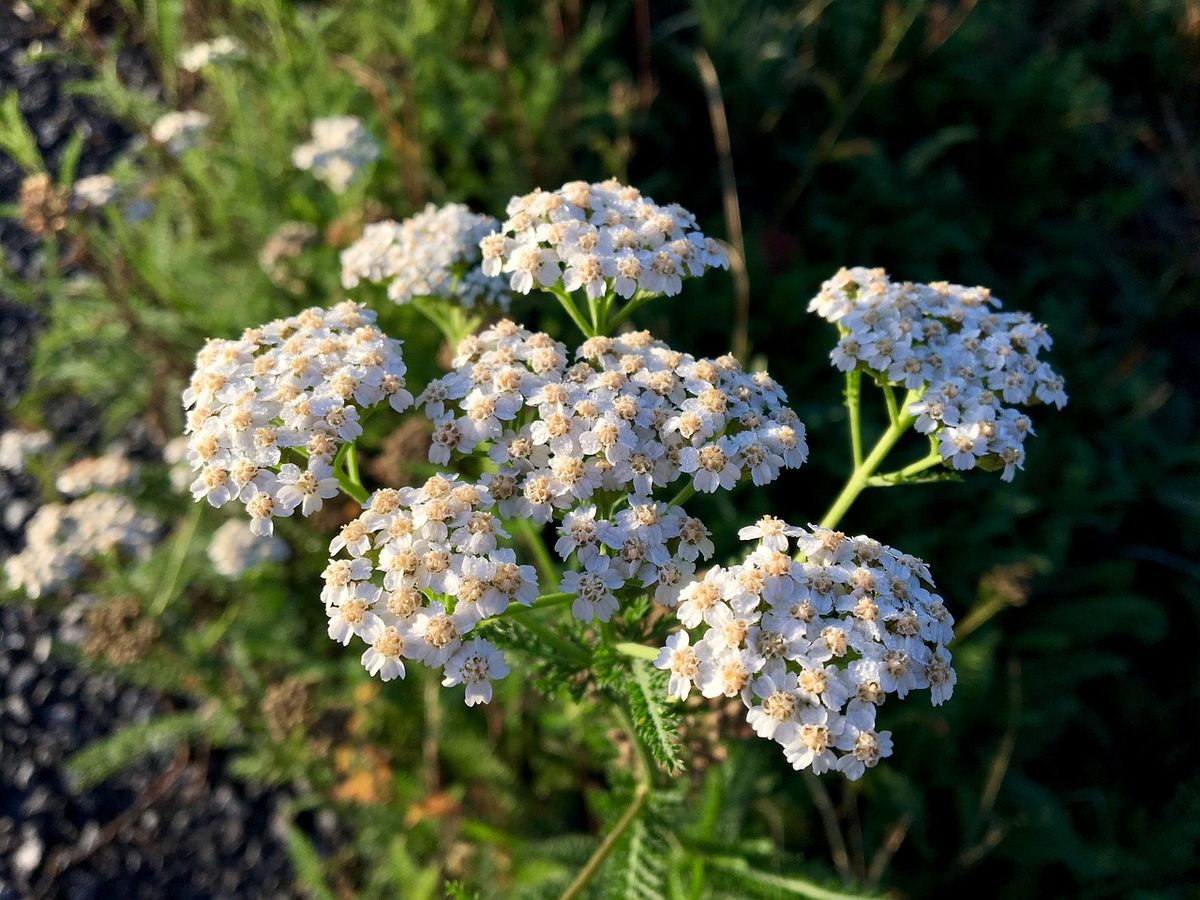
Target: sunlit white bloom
x,y
432,254
966,364
814,647
291,388
598,239
476,665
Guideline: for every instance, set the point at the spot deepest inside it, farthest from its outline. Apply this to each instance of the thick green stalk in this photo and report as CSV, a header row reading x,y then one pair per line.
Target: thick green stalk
x,y
862,473
853,411
546,566
572,310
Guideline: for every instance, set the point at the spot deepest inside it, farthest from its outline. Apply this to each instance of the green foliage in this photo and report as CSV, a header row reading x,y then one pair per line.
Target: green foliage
x,y
105,757
655,718
1050,154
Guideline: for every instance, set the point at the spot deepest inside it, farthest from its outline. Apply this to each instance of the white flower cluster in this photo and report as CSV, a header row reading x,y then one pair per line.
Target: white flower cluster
x,y
972,362
94,192
295,386
211,53
339,149
631,417
599,238
813,648
416,572
17,446
95,473
62,537
179,131
235,549
432,254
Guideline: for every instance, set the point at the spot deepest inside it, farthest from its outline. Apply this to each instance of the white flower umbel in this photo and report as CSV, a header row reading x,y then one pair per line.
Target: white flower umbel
x,y
971,364
267,414
416,572
235,549
18,446
340,148
432,254
814,647
598,238
62,537
94,192
112,470
631,419
211,53
179,131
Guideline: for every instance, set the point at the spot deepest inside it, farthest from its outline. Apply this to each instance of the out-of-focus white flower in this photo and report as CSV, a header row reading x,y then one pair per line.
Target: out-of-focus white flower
x,y
94,191
813,645
94,473
432,254
598,238
210,53
970,363
17,446
179,130
293,389
340,148
62,537
283,247
235,549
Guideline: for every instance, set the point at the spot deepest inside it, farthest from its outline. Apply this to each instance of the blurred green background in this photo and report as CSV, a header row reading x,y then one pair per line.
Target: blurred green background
x,y
1050,151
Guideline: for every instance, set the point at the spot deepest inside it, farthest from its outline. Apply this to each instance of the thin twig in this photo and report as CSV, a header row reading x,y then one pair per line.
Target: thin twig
x,y
833,828
891,843
733,213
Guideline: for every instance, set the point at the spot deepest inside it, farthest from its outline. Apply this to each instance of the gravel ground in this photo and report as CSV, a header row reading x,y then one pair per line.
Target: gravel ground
x,y
174,826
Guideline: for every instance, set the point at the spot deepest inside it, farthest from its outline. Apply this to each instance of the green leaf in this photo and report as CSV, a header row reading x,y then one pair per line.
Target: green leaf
x,y
655,721
104,758
309,868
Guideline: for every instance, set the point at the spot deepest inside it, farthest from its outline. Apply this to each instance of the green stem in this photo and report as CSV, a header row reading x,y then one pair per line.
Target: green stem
x,y
573,652
684,495
859,477
639,300
889,479
853,410
345,469
889,395
641,793
546,566
183,541
572,310
637,651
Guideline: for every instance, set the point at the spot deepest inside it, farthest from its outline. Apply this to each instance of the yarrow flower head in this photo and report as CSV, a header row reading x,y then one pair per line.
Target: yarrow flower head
x,y
813,646
235,549
266,414
179,131
62,537
432,254
94,192
112,470
340,148
631,417
211,53
598,238
416,572
968,364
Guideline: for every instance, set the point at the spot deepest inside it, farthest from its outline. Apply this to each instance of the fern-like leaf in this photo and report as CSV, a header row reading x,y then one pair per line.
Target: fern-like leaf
x,y
655,720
